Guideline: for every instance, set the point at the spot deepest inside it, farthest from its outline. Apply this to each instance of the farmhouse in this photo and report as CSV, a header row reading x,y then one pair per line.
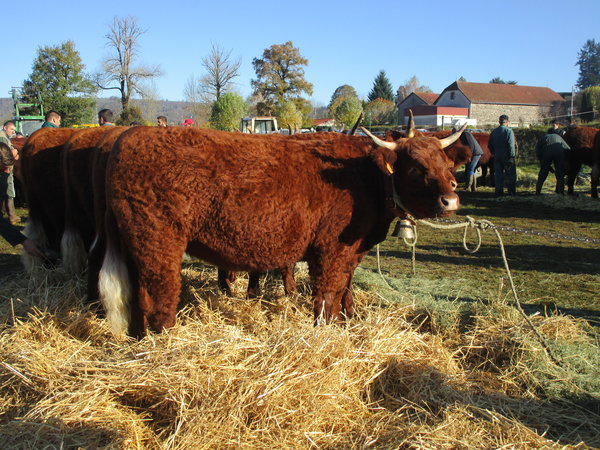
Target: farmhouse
x,y
483,103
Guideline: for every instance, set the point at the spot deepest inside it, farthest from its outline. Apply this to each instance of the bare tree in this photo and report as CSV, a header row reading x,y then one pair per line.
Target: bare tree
x,y
221,69
197,107
410,86
119,70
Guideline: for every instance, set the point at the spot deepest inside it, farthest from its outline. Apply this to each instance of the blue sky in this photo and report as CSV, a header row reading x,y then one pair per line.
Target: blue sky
x,y
534,42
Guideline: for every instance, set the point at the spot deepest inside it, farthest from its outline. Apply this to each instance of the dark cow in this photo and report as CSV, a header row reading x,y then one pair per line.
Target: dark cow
x,y
41,170
78,154
596,165
253,203
581,141
98,181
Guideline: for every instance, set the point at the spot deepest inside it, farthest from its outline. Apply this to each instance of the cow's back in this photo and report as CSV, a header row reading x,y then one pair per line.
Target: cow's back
x,y
243,202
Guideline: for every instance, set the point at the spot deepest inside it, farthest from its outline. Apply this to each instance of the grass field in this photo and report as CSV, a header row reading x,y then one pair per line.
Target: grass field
x,y
435,359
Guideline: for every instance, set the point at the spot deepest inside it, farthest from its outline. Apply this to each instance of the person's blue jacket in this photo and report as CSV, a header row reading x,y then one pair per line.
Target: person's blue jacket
x,y
502,142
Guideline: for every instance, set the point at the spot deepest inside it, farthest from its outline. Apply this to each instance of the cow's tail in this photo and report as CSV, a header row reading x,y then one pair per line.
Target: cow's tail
x,y
72,248
34,230
114,281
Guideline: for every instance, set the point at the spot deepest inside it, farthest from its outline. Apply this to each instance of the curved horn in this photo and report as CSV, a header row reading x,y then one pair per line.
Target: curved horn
x,y
379,142
448,141
410,129
358,121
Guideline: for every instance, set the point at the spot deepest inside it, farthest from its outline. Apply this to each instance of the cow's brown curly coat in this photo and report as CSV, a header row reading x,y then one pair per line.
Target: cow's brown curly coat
x,y
252,203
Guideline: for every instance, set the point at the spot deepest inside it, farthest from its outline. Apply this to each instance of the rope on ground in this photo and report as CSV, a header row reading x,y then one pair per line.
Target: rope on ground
x,y
478,226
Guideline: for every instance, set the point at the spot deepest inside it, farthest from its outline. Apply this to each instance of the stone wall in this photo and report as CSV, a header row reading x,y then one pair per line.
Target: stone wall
x,y
519,115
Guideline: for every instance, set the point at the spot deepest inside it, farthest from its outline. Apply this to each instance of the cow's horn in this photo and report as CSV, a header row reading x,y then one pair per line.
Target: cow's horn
x,y
447,141
410,130
358,121
379,142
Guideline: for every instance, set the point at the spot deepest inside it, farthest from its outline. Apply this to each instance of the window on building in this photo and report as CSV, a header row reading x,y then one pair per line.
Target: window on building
x,y
452,95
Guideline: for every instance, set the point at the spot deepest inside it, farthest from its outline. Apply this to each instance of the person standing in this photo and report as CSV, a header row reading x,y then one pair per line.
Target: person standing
x,y
7,183
502,147
162,121
551,148
557,129
469,140
188,123
105,117
52,120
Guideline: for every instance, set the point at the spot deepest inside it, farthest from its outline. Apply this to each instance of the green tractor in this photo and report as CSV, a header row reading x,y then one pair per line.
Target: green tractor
x,y
28,116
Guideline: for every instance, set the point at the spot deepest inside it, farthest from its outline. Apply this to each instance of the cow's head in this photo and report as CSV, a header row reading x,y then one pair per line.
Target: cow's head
x,y
423,183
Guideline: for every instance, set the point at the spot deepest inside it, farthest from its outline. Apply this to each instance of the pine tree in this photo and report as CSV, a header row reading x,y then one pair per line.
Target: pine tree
x,y
382,88
589,65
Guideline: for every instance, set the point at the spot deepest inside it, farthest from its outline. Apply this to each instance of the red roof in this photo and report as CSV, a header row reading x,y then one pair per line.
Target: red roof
x,y
510,94
323,122
427,97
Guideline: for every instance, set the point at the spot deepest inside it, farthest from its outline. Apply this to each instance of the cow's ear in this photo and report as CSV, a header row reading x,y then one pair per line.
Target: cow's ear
x,y
385,159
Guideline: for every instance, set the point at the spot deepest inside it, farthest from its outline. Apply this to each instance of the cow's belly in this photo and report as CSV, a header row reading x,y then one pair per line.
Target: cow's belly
x,y
256,241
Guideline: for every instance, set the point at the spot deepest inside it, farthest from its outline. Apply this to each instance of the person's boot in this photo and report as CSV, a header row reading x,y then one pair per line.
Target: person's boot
x,y
473,183
468,183
10,209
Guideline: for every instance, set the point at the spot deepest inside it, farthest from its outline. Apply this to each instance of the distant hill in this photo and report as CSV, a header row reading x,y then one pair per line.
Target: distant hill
x,y
175,111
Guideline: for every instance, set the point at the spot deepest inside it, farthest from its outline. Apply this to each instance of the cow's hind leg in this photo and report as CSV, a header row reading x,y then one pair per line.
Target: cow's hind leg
x,y
595,178
225,279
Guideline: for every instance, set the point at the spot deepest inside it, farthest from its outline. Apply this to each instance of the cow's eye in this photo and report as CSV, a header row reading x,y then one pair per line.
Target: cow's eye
x,y
414,171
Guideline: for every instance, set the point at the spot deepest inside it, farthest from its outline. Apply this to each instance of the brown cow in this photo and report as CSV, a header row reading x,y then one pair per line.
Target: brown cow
x,y
581,141
41,169
253,203
458,152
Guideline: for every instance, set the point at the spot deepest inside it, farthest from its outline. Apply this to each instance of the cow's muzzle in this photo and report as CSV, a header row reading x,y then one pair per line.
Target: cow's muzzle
x,y
448,202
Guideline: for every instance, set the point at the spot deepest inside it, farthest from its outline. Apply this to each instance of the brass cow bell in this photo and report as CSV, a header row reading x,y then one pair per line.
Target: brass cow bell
x,y
404,229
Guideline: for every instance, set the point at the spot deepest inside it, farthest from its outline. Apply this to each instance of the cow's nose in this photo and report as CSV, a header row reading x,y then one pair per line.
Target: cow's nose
x,y
449,202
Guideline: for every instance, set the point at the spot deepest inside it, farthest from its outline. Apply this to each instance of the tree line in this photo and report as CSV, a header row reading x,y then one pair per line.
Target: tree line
x,y
279,87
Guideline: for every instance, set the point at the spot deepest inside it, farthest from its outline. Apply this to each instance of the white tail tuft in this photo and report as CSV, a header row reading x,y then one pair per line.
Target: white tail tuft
x,y
74,256
115,291
35,232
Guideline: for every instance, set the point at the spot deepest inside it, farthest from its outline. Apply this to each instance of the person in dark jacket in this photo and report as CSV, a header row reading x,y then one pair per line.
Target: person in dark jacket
x,y
52,120
502,146
551,148
469,140
15,237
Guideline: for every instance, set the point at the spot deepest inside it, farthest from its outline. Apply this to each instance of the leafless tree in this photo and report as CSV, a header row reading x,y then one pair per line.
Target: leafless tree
x,y
411,85
220,69
119,70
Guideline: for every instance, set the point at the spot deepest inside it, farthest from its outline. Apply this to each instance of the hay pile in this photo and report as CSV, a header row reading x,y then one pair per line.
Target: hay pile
x,y
257,374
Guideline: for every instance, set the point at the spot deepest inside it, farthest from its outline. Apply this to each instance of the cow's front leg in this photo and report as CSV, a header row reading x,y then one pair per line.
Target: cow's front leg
x,y
158,289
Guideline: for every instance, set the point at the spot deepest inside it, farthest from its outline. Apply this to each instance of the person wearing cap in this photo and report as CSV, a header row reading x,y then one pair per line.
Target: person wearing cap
x,y
557,129
188,122
551,148
502,147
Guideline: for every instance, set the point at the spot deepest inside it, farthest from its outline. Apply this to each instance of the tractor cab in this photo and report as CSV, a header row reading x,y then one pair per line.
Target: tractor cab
x,y
29,112
259,125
